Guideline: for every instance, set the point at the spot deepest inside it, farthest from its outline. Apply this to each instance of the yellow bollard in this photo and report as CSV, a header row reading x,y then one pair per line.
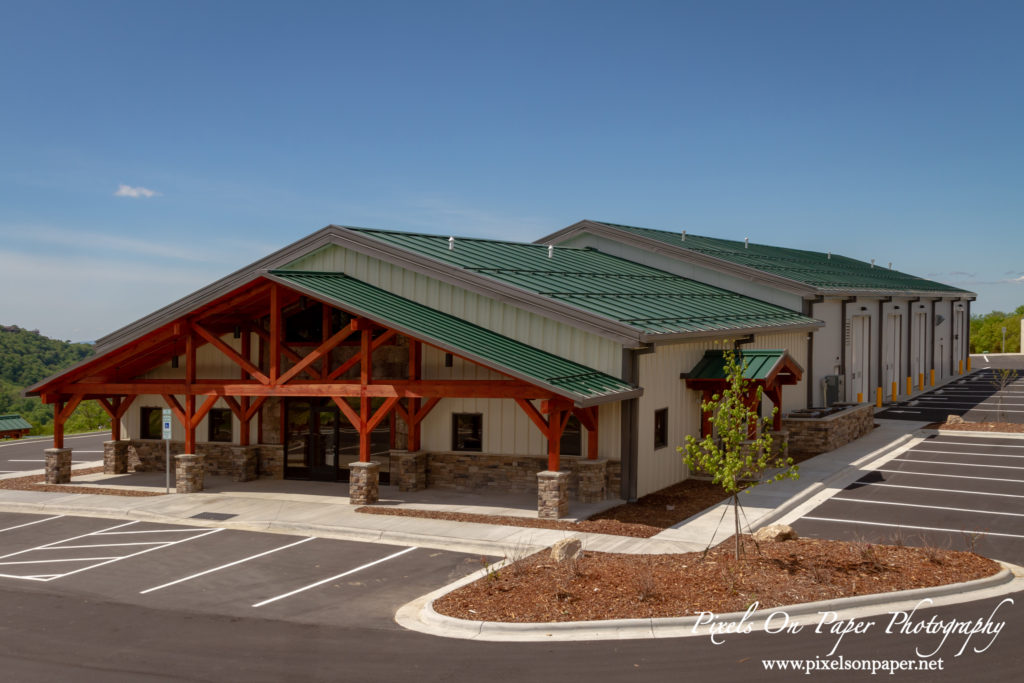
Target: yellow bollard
x,y
878,397
931,377
860,397
960,366
910,385
895,390
968,363
920,381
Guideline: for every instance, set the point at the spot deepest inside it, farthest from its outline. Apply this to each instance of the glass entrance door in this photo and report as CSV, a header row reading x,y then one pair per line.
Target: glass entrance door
x,y
312,440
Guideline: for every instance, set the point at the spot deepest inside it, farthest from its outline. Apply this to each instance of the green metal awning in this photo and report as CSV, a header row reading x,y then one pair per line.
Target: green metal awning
x,y
10,423
583,384
764,365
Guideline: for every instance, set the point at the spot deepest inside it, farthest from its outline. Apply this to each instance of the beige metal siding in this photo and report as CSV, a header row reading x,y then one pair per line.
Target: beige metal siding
x,y
795,344
543,333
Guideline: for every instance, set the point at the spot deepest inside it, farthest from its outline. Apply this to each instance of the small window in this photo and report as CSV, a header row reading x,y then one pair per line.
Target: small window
x,y
219,424
467,432
571,442
151,423
660,428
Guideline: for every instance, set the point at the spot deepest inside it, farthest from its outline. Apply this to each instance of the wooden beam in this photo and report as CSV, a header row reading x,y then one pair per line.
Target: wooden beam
x,y
346,409
275,332
344,367
381,413
320,352
203,410
176,408
69,407
532,412
58,424
233,355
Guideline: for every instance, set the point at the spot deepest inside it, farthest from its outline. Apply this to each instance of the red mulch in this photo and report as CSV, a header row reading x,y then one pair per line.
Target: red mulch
x,y
616,586
33,483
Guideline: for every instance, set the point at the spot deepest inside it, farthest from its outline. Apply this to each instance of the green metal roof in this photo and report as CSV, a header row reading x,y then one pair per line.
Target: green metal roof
x,y
816,269
644,298
563,376
13,422
758,363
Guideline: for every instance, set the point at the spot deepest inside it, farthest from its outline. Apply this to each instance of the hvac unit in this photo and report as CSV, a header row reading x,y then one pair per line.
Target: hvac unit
x,y
833,388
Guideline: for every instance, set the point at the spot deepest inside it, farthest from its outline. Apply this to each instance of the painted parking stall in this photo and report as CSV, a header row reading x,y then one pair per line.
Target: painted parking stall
x,y
949,491
26,455
984,396
223,571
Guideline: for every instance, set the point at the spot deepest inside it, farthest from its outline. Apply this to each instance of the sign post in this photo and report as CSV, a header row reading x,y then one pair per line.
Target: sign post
x,y
167,448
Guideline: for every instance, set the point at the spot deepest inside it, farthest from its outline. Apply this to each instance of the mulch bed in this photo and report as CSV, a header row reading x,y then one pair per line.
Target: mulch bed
x,y
33,483
615,586
979,427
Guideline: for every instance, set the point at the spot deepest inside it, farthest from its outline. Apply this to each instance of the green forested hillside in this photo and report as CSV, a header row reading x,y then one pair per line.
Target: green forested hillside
x,y
987,331
27,357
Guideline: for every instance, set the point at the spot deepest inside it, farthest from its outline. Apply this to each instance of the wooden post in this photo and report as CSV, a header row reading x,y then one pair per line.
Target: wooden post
x,y
190,398
365,376
58,425
275,333
243,423
415,373
592,436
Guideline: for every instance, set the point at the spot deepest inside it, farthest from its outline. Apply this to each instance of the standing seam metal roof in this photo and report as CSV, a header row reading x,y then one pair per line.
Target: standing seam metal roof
x,y
649,300
514,357
12,422
812,268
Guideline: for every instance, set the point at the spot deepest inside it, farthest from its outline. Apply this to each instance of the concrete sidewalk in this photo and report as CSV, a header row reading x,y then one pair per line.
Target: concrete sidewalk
x,y
323,509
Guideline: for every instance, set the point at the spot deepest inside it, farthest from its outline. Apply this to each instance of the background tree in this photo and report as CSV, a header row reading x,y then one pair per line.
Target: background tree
x,y
987,331
733,459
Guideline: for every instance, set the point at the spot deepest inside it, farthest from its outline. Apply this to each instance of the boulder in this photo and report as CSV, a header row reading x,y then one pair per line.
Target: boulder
x,y
954,420
775,533
567,549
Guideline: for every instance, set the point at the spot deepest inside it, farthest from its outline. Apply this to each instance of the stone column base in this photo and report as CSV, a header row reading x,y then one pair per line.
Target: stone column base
x,y
552,494
115,457
780,442
58,465
363,483
592,486
246,461
409,470
188,473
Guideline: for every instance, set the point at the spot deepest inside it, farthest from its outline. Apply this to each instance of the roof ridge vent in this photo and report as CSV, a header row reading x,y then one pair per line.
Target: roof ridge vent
x,y
551,251
451,244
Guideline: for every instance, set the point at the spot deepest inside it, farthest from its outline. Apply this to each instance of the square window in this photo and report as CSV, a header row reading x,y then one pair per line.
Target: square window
x,y
661,428
467,432
151,423
572,438
219,425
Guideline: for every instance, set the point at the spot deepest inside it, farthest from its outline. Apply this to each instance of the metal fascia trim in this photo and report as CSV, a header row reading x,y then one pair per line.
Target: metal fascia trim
x,y
736,332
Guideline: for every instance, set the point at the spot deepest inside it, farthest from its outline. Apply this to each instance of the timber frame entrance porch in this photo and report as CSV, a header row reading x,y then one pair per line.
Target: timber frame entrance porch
x,y
288,341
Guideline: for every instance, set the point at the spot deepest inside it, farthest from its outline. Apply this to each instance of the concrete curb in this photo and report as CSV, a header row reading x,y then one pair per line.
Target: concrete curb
x,y
420,616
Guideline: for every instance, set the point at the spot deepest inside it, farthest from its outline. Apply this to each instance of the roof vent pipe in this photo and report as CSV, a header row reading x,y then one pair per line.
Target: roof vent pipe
x,y
746,243
890,265
684,235
551,250
830,256
451,243
872,263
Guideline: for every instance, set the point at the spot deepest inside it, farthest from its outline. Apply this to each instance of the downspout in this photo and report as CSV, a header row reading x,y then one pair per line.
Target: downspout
x,y
630,428
910,334
931,351
809,312
881,344
967,333
952,333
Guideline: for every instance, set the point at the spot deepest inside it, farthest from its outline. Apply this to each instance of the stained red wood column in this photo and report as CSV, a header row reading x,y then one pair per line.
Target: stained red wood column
x,y
415,374
365,376
588,418
245,417
190,398
58,425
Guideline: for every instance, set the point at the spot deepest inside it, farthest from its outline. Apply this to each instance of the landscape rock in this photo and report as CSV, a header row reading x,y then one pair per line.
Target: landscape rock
x,y
567,549
954,420
775,533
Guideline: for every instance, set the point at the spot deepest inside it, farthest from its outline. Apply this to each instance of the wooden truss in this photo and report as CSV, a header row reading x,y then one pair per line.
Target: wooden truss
x,y
256,312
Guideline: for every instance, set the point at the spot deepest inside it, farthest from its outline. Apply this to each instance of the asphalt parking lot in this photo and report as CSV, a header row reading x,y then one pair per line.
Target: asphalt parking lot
x,y
949,491
226,572
978,397
22,455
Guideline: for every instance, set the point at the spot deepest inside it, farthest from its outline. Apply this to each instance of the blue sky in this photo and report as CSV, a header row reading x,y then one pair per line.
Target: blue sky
x,y
149,148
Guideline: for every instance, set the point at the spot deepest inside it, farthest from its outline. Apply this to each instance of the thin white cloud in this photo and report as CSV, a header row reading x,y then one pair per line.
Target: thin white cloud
x,y
445,215
136,192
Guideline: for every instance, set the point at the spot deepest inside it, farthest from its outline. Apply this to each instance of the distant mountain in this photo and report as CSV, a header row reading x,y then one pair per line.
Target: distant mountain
x,y
26,357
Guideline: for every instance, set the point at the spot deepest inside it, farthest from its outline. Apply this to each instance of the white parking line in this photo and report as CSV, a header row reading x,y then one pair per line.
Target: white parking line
x,y
911,526
64,559
224,566
104,545
952,476
959,464
986,445
928,507
985,357
22,442
332,578
38,521
929,488
984,455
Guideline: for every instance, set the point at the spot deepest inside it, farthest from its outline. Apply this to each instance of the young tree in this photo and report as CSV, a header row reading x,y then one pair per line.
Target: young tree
x,y
739,449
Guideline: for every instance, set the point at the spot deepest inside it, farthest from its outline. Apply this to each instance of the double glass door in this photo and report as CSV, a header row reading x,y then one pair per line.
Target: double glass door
x,y
315,440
